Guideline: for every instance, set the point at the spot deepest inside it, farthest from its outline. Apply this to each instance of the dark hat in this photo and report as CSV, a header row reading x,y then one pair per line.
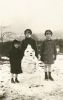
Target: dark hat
x,y
48,32
15,42
29,30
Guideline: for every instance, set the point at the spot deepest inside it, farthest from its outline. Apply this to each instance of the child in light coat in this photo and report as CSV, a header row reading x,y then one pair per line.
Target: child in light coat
x,y
48,53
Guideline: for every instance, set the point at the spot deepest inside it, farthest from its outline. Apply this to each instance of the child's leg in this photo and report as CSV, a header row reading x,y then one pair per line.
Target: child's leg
x,y
49,71
16,78
12,78
16,75
46,74
49,67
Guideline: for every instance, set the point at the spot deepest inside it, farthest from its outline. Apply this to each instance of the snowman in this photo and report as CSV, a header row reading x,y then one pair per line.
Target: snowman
x,y
29,62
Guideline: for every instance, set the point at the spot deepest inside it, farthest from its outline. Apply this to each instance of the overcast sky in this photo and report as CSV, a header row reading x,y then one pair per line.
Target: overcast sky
x,y
38,15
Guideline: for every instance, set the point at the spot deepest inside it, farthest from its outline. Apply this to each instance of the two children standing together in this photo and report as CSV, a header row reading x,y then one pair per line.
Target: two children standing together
x,y
48,54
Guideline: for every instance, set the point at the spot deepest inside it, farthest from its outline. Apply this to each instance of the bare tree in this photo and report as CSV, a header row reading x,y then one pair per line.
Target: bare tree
x,y
2,32
8,35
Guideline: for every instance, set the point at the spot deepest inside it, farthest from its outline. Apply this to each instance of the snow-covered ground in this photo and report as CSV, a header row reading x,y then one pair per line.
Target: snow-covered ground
x,y
33,86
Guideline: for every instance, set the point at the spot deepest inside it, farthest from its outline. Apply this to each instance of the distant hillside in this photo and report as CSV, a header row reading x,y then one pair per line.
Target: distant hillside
x,y
36,36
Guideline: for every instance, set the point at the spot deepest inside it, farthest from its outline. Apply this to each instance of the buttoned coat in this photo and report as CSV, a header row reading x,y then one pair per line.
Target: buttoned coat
x,y
48,51
27,41
15,60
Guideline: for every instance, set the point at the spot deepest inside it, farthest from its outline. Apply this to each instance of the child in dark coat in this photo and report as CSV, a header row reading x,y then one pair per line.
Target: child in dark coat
x,y
28,40
48,53
15,61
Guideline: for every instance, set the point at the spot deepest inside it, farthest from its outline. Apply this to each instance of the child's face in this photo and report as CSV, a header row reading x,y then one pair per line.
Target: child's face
x,y
16,45
28,35
48,36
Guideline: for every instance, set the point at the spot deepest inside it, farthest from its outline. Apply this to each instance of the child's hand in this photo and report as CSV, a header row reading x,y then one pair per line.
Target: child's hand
x,y
41,64
54,57
39,57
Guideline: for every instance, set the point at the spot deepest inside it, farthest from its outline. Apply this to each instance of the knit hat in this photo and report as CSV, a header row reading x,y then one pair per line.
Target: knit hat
x,y
29,31
48,32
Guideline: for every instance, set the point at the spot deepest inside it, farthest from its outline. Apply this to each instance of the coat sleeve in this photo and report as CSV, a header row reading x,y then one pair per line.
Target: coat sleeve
x,y
11,56
41,50
35,47
55,52
22,49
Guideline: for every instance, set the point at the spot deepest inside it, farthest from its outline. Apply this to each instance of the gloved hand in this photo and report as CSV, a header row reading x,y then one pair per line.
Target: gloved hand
x,y
54,57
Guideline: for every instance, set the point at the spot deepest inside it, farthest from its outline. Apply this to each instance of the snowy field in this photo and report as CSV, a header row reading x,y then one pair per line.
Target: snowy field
x,y
33,86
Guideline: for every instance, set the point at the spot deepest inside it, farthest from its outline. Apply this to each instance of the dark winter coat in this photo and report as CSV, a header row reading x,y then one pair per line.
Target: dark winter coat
x,y
27,41
15,60
48,49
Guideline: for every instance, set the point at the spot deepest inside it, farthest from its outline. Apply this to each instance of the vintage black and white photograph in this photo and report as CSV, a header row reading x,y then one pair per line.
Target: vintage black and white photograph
x,y
31,49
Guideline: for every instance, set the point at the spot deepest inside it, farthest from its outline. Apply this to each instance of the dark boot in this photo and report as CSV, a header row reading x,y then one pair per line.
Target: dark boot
x,y
16,80
12,80
50,77
46,76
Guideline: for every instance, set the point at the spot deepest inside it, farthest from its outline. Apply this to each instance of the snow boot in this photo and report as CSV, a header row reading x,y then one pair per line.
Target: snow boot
x,y
46,76
16,80
50,77
12,80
